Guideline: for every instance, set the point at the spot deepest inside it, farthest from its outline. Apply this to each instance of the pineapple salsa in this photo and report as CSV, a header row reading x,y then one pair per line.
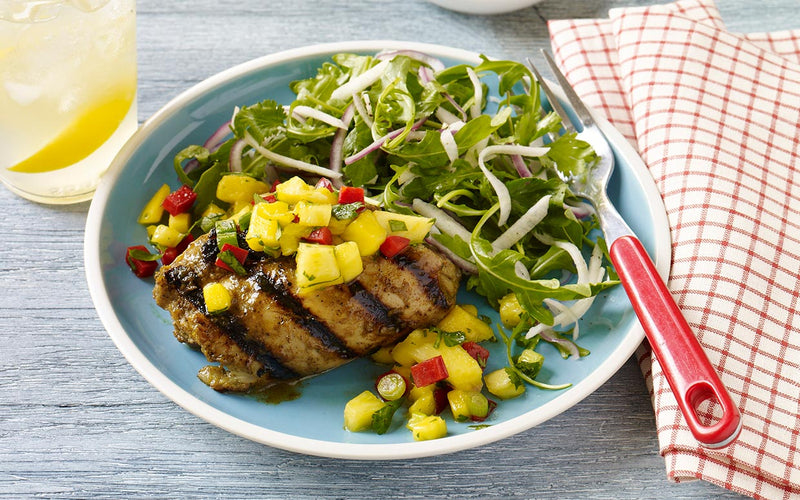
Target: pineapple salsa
x,y
378,152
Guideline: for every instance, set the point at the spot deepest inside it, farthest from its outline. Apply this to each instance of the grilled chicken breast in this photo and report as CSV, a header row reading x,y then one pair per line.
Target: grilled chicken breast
x,y
271,333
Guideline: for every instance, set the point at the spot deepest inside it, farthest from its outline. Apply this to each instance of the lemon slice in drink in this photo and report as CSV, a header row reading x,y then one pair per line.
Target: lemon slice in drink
x,y
82,137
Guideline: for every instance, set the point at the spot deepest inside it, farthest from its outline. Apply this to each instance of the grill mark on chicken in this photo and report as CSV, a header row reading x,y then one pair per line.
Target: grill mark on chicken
x,y
428,282
185,282
374,307
279,288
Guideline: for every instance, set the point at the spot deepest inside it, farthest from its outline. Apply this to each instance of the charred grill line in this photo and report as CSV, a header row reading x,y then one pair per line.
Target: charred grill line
x,y
278,288
428,282
376,309
185,282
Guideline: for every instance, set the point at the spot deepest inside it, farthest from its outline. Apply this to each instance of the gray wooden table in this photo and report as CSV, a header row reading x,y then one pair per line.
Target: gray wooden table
x,y
77,421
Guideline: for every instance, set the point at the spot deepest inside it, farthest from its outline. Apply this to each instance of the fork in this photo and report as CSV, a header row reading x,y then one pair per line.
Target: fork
x,y
689,373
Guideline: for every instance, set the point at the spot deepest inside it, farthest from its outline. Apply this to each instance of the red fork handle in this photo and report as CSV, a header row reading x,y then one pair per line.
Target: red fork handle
x,y
690,374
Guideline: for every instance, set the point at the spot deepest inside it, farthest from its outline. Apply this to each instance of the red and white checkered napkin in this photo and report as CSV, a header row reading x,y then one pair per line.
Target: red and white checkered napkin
x,y
716,117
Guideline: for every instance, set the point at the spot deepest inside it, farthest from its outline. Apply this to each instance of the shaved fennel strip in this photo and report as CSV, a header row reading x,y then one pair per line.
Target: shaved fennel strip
x,y
449,144
361,108
477,102
442,220
309,112
523,225
360,82
289,162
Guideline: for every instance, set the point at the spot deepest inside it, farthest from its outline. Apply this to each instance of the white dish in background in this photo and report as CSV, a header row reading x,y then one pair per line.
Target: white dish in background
x,y
485,6
312,424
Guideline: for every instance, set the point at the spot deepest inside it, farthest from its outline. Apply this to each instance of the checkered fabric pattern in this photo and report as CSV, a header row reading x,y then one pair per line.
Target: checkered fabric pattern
x,y
716,118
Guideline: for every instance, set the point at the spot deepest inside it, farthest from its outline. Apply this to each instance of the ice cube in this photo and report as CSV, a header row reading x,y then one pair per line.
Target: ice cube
x,y
22,93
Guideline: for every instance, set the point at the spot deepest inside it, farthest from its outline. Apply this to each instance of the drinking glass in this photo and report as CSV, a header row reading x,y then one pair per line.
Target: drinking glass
x,y
67,94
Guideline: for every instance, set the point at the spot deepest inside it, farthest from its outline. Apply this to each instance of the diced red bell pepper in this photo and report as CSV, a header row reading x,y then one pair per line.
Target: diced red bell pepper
x,y
429,371
351,195
179,201
477,351
393,245
141,268
239,253
492,406
170,254
274,185
326,183
321,235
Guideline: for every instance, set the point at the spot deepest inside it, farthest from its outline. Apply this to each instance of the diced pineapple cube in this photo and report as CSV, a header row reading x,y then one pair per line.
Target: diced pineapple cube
x,y
166,237
180,222
413,227
316,267
458,405
239,188
424,427
337,226
510,310
501,384
348,258
264,234
383,356
278,210
463,370
217,298
153,211
296,190
359,410
459,320
420,392
312,214
424,404
470,308
291,235
366,232
416,347
212,210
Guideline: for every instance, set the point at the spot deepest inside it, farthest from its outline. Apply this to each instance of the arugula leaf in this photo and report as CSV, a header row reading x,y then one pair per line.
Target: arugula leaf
x,y
261,120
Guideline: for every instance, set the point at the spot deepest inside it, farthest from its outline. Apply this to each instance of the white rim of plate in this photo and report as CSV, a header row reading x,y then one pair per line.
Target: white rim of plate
x,y
331,449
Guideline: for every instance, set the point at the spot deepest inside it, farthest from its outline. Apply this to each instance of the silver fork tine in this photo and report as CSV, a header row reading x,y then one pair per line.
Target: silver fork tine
x,y
551,97
572,97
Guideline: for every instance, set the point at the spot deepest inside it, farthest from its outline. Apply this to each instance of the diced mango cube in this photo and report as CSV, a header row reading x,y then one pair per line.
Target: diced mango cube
x,y
348,258
316,267
424,404
510,310
463,370
291,236
359,410
153,211
425,427
278,210
501,384
166,237
296,190
217,298
212,210
416,347
470,308
181,222
337,226
413,227
239,188
264,234
366,232
312,214
459,320
383,356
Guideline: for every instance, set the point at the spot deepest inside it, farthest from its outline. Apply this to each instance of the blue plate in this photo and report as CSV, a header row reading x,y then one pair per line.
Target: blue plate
x,y
313,423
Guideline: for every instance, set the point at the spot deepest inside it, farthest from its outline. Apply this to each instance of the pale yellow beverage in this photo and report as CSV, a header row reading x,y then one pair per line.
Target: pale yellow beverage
x,y
67,94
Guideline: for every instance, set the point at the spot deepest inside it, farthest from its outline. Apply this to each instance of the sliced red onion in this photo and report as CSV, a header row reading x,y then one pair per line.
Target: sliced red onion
x,y
360,82
290,162
548,335
435,64
581,210
523,225
217,138
376,144
425,75
191,165
463,264
459,109
235,156
519,164
309,112
335,162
